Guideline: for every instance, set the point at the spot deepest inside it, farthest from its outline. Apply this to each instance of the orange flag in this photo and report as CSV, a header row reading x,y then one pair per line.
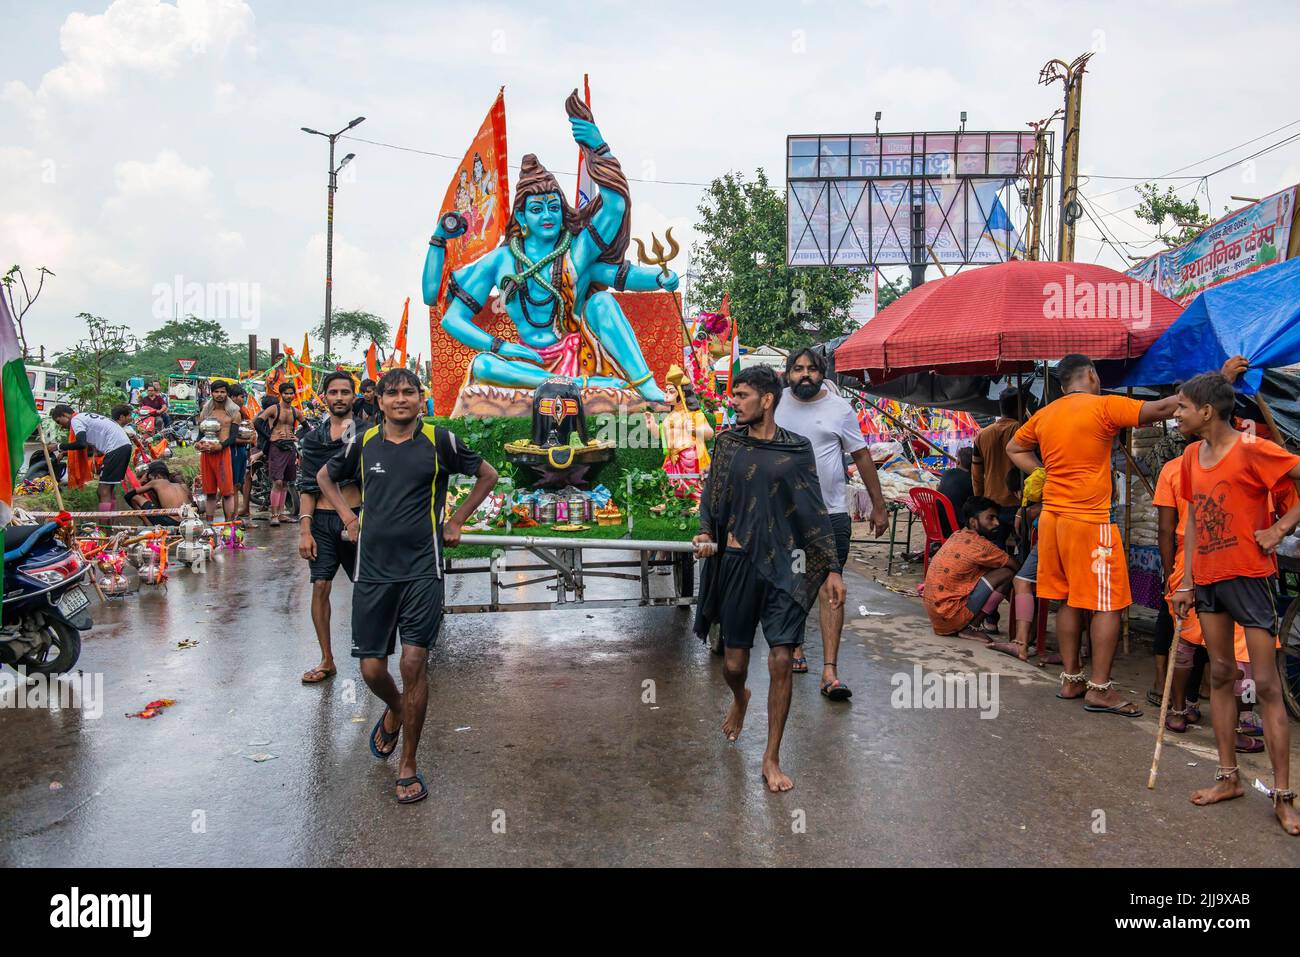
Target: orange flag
x,y
480,192
399,344
372,362
304,357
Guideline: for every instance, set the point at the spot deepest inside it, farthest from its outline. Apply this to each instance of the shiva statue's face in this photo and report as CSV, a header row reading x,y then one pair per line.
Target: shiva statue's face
x,y
542,216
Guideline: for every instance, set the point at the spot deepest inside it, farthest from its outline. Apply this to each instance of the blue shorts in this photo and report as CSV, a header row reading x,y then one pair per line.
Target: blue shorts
x,y
238,463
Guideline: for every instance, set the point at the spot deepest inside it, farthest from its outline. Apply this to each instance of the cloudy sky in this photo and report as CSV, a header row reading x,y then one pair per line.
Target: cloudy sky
x,y
146,140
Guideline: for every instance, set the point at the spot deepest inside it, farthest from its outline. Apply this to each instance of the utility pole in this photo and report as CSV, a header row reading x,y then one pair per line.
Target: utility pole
x,y
329,222
1037,188
1071,75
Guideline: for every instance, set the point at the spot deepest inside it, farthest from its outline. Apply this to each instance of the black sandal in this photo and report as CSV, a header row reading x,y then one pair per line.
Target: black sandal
x,y
835,689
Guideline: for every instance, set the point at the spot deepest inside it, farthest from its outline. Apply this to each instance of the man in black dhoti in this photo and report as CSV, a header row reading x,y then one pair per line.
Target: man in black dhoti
x,y
763,502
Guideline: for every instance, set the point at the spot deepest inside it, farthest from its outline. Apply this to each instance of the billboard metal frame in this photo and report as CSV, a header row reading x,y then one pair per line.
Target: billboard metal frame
x,y
898,236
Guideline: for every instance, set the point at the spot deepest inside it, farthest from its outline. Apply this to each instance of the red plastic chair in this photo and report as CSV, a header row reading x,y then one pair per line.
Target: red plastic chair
x,y
926,503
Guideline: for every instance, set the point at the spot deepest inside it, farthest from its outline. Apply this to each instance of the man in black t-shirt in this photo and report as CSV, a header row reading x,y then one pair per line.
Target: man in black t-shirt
x,y
402,467
955,485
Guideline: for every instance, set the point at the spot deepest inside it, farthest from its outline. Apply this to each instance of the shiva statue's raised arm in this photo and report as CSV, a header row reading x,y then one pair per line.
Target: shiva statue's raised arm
x,y
625,276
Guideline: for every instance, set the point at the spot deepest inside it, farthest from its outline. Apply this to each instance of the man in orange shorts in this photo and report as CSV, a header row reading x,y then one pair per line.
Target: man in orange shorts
x,y
1080,556
215,472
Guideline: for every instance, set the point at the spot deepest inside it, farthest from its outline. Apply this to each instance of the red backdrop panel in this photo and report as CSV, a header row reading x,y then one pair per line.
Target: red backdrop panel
x,y
654,316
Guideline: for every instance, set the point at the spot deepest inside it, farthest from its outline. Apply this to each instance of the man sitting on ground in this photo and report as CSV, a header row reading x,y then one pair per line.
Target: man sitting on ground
x,y
969,576
160,490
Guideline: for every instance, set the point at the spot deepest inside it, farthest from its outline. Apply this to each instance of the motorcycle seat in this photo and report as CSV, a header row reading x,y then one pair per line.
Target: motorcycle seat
x,y
15,535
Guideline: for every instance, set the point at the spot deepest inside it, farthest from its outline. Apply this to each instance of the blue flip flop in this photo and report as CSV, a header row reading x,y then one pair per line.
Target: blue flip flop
x,y
419,795
384,736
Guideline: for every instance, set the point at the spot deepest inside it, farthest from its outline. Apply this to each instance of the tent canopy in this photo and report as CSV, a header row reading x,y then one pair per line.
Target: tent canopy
x,y
1256,316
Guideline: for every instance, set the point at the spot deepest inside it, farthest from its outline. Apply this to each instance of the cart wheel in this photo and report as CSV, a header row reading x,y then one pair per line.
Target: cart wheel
x,y
1288,659
684,574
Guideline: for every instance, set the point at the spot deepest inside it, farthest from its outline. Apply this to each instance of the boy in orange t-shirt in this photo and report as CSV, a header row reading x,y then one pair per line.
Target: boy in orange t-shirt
x,y
1080,554
1230,570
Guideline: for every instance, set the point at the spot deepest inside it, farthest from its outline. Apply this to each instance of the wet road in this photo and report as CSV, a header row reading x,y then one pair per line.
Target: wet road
x,y
542,747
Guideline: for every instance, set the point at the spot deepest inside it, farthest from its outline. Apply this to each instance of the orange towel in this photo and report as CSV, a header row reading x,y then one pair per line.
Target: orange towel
x,y
79,472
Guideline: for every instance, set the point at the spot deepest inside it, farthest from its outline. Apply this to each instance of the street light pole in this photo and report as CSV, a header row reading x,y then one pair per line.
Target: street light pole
x,y
329,223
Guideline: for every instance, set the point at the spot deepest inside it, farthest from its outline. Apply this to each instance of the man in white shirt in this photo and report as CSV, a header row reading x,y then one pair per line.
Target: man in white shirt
x,y
810,409
97,434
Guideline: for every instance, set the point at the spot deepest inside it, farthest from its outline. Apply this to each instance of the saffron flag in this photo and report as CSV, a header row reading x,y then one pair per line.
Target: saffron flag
x,y
480,192
18,409
307,378
586,185
399,344
372,362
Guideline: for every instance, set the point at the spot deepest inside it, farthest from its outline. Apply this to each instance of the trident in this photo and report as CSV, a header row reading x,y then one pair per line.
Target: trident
x,y
661,259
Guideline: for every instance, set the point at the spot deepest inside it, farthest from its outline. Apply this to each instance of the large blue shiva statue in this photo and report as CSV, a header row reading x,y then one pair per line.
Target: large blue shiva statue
x,y
553,271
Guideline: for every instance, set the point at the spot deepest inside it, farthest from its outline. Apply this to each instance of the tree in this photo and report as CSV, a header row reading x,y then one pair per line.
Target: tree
x,y
890,292
91,361
1186,214
18,308
356,326
743,253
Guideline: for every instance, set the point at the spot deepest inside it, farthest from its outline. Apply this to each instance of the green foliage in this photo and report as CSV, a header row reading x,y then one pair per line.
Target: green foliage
x,y
1185,214
651,490
92,361
356,327
743,252
890,292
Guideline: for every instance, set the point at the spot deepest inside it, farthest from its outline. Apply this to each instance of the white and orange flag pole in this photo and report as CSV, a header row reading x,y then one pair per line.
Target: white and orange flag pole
x,y
18,410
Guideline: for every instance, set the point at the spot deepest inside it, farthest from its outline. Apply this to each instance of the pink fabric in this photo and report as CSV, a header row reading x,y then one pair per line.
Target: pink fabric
x,y
991,605
684,462
277,499
106,506
565,356
1024,605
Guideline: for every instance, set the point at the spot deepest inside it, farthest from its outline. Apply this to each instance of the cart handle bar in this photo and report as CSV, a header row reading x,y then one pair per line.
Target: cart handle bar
x,y
612,544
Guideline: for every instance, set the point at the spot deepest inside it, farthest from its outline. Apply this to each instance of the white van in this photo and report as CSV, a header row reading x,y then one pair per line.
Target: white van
x,y
49,386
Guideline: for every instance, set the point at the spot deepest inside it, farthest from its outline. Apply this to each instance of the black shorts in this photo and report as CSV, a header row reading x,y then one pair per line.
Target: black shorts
x,y
842,526
332,550
380,610
1248,601
748,601
116,462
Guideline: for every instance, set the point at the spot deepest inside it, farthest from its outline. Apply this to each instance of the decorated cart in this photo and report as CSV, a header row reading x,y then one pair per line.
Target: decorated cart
x,y
560,362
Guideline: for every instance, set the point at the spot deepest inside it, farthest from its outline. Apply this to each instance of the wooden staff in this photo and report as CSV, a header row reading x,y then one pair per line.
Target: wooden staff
x,y
1268,420
49,467
1164,710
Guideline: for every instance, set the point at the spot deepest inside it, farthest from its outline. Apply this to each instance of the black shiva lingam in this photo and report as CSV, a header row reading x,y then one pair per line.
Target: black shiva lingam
x,y
559,450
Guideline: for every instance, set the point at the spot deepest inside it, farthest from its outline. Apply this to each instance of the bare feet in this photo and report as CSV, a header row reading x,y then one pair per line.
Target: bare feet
x,y
1072,689
776,779
1012,648
1219,791
974,634
1288,817
735,719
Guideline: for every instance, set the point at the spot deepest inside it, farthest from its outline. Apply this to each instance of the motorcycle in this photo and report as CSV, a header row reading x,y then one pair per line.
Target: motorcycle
x,y
45,606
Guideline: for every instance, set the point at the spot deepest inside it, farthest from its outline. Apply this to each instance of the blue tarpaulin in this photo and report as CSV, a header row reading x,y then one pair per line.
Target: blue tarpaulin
x,y
1257,316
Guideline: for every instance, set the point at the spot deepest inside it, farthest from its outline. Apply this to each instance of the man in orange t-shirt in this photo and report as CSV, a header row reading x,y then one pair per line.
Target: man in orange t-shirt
x,y
1080,555
1230,480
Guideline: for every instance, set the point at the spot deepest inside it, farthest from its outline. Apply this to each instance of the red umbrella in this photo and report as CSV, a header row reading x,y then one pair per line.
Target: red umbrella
x,y
1003,318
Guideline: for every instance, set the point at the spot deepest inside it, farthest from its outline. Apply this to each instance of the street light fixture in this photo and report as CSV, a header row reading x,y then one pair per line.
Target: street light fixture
x,y
329,222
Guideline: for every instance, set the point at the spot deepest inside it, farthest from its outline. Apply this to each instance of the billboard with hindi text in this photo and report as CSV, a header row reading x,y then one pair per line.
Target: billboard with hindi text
x,y
851,199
